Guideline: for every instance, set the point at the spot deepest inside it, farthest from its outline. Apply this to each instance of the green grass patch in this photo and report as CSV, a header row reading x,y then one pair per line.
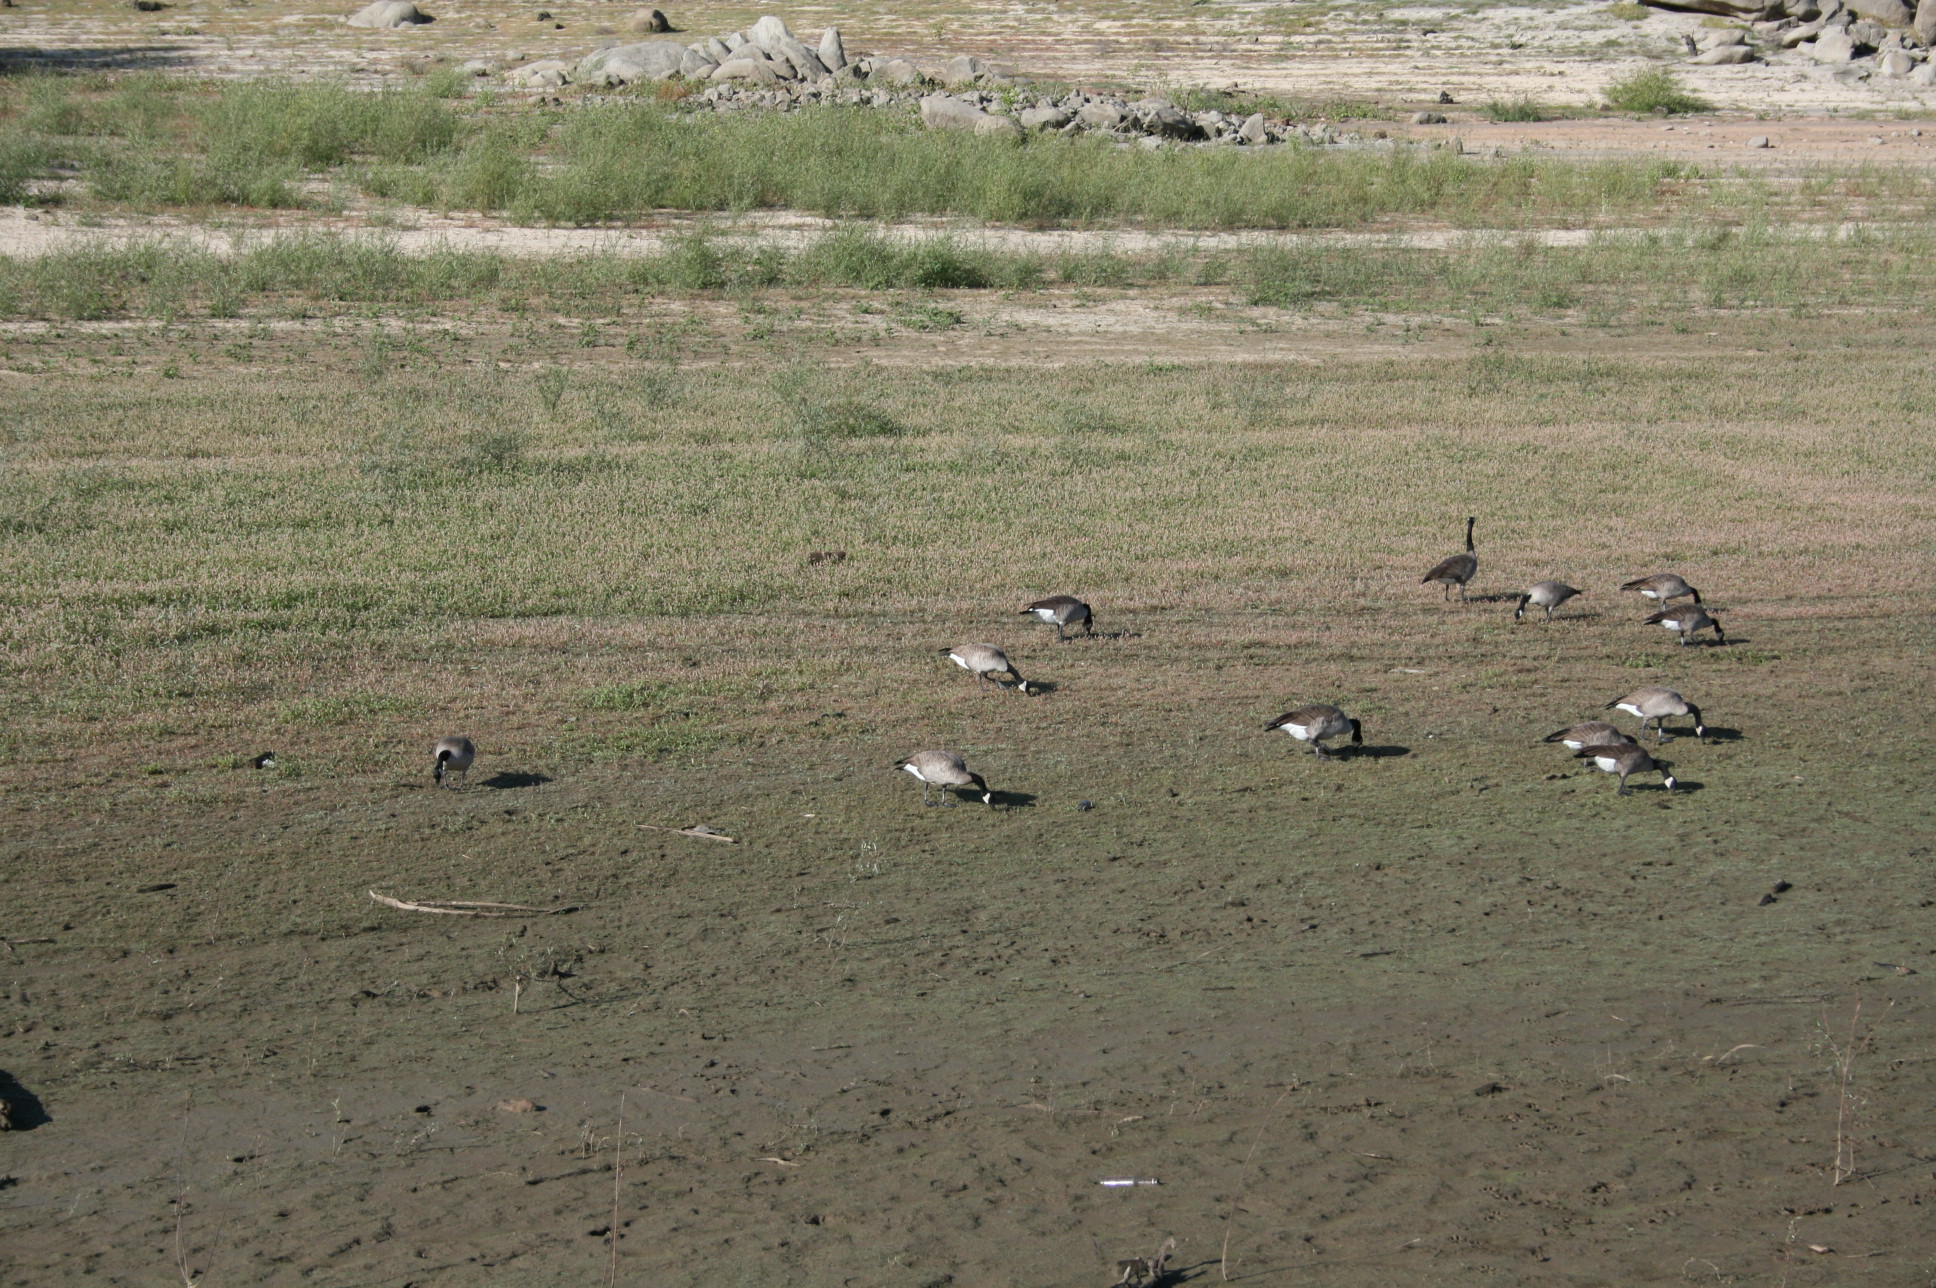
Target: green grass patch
x,y
1522,110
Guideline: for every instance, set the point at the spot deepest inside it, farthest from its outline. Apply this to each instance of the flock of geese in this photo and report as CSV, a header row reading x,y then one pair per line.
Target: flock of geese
x,y
1605,746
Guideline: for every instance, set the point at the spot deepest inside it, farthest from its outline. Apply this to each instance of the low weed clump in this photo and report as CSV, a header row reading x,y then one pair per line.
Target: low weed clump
x,y
1655,91
1521,110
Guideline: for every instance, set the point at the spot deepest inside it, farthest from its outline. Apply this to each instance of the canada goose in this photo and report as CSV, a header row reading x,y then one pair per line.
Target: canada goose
x,y
1663,586
1686,621
1457,570
1315,723
454,755
1061,611
983,660
944,769
1656,704
1594,733
1626,759
1544,594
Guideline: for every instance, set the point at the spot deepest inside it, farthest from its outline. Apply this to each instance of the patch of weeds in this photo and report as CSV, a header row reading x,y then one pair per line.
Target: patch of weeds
x,y
1521,110
494,451
928,317
1655,91
1643,661
845,419
657,742
1627,11
641,695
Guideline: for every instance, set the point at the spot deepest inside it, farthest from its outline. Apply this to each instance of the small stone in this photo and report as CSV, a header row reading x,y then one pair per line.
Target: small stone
x,y
520,1106
1428,118
1085,806
1783,887
1445,97
1764,901
1760,141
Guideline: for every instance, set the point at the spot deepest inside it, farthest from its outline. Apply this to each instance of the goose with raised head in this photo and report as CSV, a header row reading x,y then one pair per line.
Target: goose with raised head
x,y
1687,620
1544,594
453,757
984,660
1456,570
1593,733
1663,586
944,769
1656,704
1062,611
1316,724
1625,759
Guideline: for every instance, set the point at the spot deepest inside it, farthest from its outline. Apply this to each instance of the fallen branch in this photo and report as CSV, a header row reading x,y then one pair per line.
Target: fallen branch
x,y
699,830
470,907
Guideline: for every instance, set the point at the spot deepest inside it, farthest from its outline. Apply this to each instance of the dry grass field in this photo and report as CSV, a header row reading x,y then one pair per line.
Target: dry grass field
x,y
678,532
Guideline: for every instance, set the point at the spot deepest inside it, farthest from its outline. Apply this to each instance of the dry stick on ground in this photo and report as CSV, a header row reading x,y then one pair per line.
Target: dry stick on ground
x,y
1846,1104
699,830
470,907
181,1198
618,1171
1223,1261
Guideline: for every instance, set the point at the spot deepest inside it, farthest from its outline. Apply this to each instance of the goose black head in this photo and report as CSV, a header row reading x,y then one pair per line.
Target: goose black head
x,y
1523,601
1700,728
1357,733
987,797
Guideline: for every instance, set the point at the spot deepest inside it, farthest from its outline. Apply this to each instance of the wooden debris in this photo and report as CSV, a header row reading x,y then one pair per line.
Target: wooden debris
x,y
470,907
699,830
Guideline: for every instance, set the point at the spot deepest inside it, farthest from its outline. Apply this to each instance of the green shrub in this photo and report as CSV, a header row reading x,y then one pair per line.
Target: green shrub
x,y
1656,91
1516,110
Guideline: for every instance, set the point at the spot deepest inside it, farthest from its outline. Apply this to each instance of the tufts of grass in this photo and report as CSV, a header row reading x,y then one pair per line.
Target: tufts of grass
x,y
1628,11
1516,110
1656,91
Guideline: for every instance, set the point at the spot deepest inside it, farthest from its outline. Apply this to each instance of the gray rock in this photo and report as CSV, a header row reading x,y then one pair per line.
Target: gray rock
x,y
767,30
831,52
546,73
1926,22
389,14
1101,116
1164,119
1890,13
733,40
1044,118
697,66
1895,64
1924,75
1724,56
1796,35
1254,130
1716,39
1867,33
476,67
1428,118
963,70
758,70
946,112
623,64
1760,141
1831,47
655,22
990,124
897,71
716,49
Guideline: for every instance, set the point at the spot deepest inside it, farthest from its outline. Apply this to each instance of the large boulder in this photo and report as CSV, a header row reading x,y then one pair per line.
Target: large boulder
x,y
1043,118
1750,9
1926,22
1893,14
1164,119
697,65
1896,64
622,64
1101,116
896,71
946,112
963,70
1725,56
1831,47
389,13
767,30
831,52
805,63
1254,130
760,71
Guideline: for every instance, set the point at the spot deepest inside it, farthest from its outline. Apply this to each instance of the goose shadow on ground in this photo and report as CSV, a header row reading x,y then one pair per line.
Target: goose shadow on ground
x,y
24,1112
1715,733
506,782
1374,751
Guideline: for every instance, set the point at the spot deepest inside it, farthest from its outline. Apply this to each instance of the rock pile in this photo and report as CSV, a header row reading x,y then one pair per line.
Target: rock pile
x,y
767,67
1865,37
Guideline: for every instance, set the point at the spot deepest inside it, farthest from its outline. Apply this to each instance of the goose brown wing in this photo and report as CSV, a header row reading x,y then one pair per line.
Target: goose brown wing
x,y
1456,568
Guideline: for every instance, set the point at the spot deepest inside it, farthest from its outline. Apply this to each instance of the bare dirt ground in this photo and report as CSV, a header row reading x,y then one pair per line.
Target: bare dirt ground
x,y
1447,1012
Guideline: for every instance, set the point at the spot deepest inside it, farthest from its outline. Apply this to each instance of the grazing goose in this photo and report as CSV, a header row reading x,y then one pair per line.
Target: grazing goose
x,y
1686,621
1656,704
1457,570
944,769
1663,586
454,756
1594,733
983,660
1626,759
1315,723
1061,611
1544,594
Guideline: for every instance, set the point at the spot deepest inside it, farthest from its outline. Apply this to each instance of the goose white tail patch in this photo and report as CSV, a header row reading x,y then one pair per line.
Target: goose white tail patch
x,y
1299,732
1630,709
912,769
